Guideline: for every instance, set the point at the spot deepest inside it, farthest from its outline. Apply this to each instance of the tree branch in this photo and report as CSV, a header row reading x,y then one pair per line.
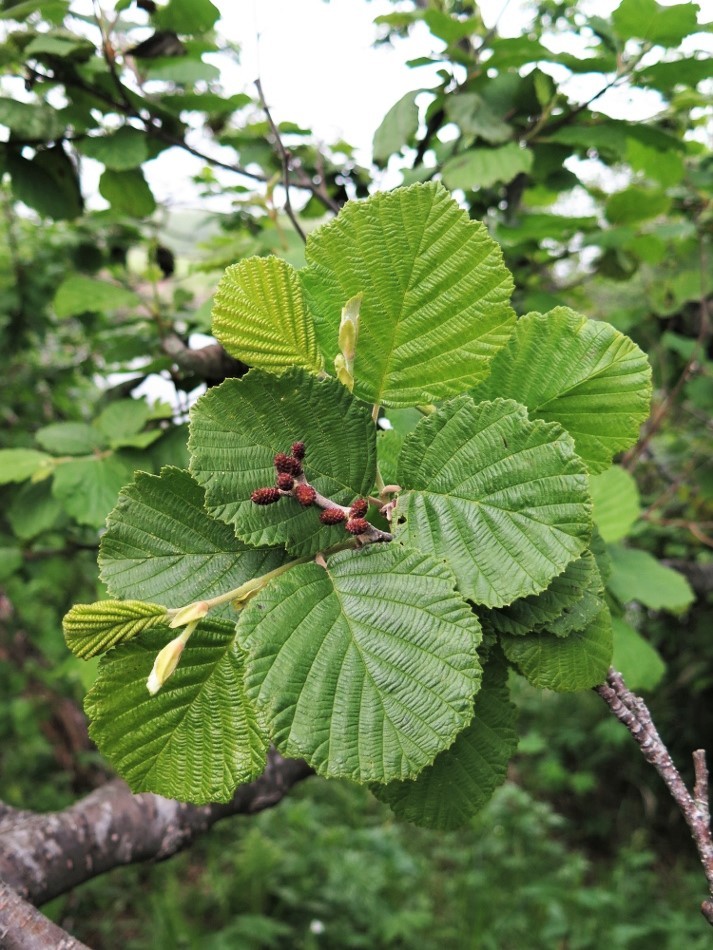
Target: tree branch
x,y
632,711
45,855
209,362
23,927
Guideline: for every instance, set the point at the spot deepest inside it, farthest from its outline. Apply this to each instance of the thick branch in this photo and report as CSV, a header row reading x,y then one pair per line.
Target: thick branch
x,y
209,362
44,855
23,927
632,711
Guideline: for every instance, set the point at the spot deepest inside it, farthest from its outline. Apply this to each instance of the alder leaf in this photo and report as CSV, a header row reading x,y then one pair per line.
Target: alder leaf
x,y
462,778
199,737
260,317
537,611
502,498
565,664
583,374
366,669
238,427
436,293
90,629
162,543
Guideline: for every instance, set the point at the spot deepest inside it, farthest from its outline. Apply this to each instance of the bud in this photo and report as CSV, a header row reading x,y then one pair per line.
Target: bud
x,y
305,495
332,516
298,450
285,481
265,496
359,508
357,526
189,613
287,464
167,660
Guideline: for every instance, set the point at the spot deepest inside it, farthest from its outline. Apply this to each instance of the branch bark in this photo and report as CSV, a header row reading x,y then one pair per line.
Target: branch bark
x,y
210,362
45,855
23,927
633,712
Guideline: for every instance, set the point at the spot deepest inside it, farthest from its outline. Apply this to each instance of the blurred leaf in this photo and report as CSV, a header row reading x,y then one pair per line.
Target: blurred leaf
x,y
78,294
398,128
616,502
17,465
127,148
187,16
648,20
87,489
33,510
637,575
483,167
29,120
634,657
47,182
123,418
475,117
636,204
127,192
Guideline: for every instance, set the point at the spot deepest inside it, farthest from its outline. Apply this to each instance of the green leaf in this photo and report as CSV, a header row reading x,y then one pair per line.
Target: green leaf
x,y
123,418
78,294
199,737
181,70
483,167
583,374
636,204
463,778
127,192
187,16
19,11
635,658
648,20
126,148
667,168
161,543
17,465
33,510
436,294
91,629
398,128
367,669
69,438
237,428
476,118
538,611
259,316
87,488
616,502
567,664
637,575
504,499
47,182
389,443
30,120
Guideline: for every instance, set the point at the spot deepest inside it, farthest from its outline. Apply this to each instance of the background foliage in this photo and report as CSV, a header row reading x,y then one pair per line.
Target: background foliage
x,y
609,217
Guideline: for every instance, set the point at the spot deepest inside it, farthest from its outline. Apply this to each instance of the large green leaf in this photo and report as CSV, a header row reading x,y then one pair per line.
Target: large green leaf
x,y
69,438
47,182
462,779
538,611
583,374
366,668
199,737
436,294
503,498
648,20
238,427
476,118
127,148
637,575
564,664
259,316
162,545
127,192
